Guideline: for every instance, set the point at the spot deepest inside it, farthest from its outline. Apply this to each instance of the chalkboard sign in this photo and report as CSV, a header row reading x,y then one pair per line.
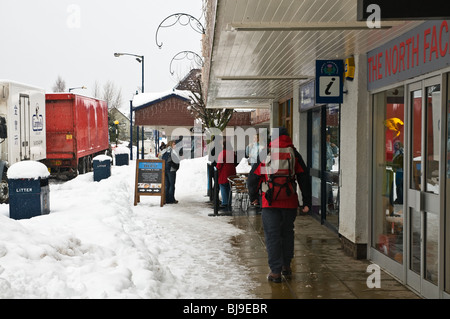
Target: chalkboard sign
x,y
149,179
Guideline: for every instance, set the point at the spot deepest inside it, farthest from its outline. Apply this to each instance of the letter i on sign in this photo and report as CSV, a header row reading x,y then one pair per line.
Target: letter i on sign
x,y
329,86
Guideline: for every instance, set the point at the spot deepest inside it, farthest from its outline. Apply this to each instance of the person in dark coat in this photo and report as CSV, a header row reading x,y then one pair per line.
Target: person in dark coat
x,y
278,216
172,165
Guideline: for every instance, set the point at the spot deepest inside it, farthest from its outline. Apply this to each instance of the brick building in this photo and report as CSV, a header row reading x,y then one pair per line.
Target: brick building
x,y
162,113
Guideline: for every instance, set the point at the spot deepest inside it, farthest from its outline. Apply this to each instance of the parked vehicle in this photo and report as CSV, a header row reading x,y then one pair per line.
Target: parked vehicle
x,y
22,127
77,131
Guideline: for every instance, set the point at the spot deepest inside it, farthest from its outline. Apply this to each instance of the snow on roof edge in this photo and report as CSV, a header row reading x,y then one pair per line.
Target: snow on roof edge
x,y
144,98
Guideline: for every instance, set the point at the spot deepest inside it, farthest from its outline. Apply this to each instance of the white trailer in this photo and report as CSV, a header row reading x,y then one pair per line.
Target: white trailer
x,y
22,127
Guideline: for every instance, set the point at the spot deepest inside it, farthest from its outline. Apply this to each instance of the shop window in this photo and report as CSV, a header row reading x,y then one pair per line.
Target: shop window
x,y
316,161
332,163
389,138
433,109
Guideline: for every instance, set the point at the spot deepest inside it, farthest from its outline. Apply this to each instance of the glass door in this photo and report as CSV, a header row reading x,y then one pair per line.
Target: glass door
x,y
423,199
315,160
323,158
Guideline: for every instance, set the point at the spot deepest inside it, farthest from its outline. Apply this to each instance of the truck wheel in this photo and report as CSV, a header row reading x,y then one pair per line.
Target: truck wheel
x,y
4,190
81,166
89,165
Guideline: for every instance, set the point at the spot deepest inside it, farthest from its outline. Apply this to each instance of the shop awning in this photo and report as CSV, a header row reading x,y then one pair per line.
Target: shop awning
x,y
256,50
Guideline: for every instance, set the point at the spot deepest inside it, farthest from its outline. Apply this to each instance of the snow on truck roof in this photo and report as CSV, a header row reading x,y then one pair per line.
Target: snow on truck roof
x,y
16,83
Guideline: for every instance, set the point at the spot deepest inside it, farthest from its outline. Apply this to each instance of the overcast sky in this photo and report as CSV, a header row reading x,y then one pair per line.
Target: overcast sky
x,y
41,39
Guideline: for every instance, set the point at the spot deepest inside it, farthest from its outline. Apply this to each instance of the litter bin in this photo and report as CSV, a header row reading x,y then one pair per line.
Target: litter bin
x,y
29,192
122,156
122,159
102,167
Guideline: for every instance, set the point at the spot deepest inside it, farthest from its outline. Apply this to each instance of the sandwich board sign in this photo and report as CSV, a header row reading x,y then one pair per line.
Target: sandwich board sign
x,y
329,81
150,179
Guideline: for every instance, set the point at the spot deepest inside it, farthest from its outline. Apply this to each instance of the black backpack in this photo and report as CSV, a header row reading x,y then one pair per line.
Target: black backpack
x,y
167,157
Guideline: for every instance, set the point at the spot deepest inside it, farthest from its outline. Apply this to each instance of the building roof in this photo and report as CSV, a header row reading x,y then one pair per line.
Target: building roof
x,y
189,81
147,99
169,109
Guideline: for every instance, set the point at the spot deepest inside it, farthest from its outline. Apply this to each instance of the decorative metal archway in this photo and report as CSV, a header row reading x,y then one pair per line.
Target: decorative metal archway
x,y
190,55
182,18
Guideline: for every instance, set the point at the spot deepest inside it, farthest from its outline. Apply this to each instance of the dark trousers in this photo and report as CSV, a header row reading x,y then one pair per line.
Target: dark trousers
x,y
170,186
278,226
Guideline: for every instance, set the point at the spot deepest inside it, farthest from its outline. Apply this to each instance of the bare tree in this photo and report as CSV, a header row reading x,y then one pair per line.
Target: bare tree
x,y
96,90
210,118
60,85
112,95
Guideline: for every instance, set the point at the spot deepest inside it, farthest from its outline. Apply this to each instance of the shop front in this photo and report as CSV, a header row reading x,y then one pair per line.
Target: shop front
x,y
408,79
322,154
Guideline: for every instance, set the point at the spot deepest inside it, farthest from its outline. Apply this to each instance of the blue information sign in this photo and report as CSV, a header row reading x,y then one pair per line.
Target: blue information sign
x,y
307,99
151,165
329,81
149,179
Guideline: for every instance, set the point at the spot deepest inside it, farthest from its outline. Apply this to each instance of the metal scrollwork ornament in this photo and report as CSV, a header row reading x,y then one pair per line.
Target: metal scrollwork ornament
x,y
183,19
186,55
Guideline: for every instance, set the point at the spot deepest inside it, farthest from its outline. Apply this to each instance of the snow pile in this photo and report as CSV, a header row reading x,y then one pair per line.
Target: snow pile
x,y
121,150
96,244
102,158
28,170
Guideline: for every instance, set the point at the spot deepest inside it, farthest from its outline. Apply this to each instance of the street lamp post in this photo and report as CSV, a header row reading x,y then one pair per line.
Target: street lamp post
x,y
116,125
80,87
140,59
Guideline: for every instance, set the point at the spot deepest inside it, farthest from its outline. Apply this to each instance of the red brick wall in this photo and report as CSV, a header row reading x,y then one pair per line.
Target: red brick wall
x,y
173,112
240,119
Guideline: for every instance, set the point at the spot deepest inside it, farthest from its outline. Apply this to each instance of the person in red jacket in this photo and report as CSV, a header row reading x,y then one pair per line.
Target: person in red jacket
x,y
280,202
226,167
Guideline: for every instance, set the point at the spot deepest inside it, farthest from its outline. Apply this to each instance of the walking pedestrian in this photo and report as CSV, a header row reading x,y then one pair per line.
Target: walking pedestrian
x,y
252,151
277,175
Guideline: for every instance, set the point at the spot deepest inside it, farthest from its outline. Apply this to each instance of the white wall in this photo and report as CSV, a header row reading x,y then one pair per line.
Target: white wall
x,y
299,128
296,125
355,161
274,115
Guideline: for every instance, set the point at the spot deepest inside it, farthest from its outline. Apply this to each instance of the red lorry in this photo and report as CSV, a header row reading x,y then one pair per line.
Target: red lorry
x,y
77,131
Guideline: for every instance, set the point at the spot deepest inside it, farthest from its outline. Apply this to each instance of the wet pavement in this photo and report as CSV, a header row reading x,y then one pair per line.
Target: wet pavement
x,y
321,269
